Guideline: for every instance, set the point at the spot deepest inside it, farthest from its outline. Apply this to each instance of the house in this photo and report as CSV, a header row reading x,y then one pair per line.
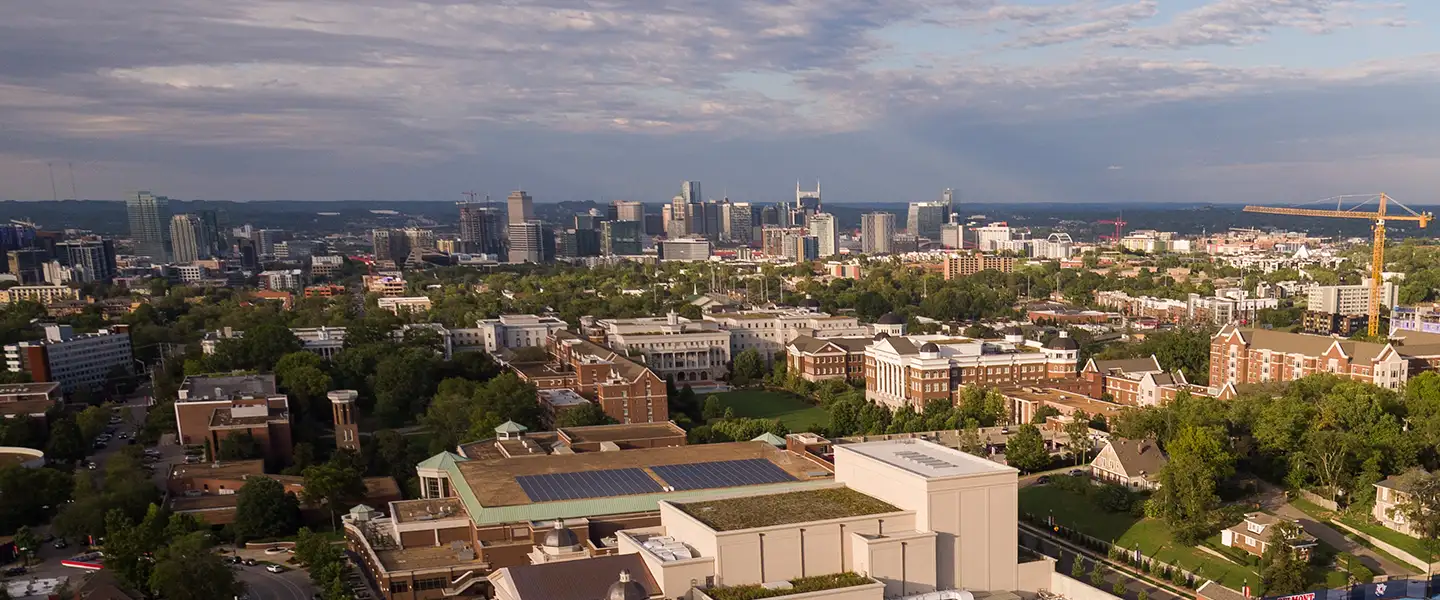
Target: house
x,y
1253,535
1131,463
1390,494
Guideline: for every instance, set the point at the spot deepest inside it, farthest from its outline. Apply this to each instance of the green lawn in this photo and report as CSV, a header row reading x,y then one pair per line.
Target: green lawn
x,y
1394,538
793,411
1150,535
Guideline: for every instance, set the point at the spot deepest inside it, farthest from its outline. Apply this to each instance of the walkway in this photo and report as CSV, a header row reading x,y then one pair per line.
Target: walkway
x,y
1274,500
1064,554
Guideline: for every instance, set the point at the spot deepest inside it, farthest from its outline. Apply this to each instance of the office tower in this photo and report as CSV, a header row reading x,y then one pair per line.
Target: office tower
x,y
590,221
703,219
390,245
738,223
482,229
577,243
990,237
806,201
877,231
629,211
770,215
799,247
654,224
27,265
188,239
621,238
249,256
531,242
952,234
419,238
521,207
212,224
925,220
826,230
947,197
686,249
91,259
265,240
675,222
690,192
149,224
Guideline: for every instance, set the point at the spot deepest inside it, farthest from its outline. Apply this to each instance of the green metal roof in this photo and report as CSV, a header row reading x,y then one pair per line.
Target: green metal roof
x,y
441,461
511,427
615,505
770,438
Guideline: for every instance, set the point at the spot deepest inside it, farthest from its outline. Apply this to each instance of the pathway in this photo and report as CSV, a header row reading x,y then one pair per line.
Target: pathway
x,y
1274,500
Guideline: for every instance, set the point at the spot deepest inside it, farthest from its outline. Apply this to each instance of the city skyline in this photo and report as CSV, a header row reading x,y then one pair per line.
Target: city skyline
x,y
1006,101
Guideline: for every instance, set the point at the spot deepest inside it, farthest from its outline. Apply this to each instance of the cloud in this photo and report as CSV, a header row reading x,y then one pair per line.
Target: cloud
x,y
608,95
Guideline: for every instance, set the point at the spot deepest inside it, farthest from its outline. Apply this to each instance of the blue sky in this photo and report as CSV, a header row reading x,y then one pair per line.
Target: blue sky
x,y
883,100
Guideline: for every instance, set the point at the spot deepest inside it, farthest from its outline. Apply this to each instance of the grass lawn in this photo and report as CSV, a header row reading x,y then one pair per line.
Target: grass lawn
x,y
793,411
1394,538
1150,535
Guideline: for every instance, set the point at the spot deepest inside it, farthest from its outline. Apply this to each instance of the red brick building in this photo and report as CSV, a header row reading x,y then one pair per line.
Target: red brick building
x,y
1240,356
212,408
626,390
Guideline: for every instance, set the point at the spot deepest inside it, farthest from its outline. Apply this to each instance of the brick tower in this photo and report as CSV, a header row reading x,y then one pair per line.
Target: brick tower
x,y
347,432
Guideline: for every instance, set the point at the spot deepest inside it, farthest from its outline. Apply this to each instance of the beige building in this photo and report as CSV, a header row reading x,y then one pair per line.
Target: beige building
x,y
674,347
1134,464
769,331
518,331
404,304
901,370
44,294
1390,495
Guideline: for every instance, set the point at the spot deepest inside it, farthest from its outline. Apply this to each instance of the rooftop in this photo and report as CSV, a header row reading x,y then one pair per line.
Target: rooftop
x,y
223,387
425,557
220,470
926,459
225,418
623,432
409,511
748,512
493,481
24,389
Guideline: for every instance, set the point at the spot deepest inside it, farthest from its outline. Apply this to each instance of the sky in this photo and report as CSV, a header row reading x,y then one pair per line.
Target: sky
x,y
1150,101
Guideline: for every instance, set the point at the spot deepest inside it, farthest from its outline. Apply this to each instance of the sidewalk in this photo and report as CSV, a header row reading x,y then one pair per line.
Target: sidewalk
x,y
1064,552
1273,499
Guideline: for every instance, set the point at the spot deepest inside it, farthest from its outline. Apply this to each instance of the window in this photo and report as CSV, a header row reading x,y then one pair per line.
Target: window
x,y
399,587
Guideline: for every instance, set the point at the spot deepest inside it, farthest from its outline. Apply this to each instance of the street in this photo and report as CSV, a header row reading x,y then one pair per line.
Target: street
x,y
293,584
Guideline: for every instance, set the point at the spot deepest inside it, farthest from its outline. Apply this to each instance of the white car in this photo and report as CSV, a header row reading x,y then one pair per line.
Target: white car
x,y
275,568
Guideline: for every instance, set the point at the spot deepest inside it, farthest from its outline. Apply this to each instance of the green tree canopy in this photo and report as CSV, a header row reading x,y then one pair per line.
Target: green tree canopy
x,y
263,510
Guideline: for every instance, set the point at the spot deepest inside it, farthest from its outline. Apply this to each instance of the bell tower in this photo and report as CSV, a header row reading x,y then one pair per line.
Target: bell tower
x,y
347,431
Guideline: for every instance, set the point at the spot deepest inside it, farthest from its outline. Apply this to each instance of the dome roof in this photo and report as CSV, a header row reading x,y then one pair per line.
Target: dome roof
x,y
929,347
882,335
1062,343
1012,330
890,318
626,589
559,537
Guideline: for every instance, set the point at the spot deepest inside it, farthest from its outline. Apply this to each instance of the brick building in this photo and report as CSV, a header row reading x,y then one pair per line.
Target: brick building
x,y
626,390
965,265
211,408
1240,356
912,370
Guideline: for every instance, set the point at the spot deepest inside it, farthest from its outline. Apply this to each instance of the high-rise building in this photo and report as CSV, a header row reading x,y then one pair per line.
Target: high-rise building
x,y
952,234
770,215
654,224
249,256
826,230
589,220
265,240
75,361
91,259
926,219
420,238
947,198
531,242
212,224
992,236
577,243
621,238
685,249
27,265
149,224
521,207
482,229
703,219
390,245
189,241
800,247
629,211
807,201
738,223
877,232
690,192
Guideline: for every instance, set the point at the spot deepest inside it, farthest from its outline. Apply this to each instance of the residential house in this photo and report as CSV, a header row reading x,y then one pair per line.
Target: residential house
x,y
1253,535
1131,463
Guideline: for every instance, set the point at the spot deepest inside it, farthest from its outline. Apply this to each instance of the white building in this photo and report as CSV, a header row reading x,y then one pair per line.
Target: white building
x,y
674,347
518,331
325,266
826,229
989,237
877,233
901,370
1058,246
1350,299
83,361
43,294
769,331
404,304
283,279
685,249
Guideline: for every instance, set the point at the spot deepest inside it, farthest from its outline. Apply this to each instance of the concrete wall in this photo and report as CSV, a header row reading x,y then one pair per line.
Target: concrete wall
x,y
1074,589
904,562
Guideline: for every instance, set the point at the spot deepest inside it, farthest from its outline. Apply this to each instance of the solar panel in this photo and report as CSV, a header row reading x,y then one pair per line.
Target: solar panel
x,y
725,473
587,484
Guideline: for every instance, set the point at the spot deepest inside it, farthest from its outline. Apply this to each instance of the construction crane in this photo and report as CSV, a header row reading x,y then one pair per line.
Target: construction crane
x,y
1377,254
1119,223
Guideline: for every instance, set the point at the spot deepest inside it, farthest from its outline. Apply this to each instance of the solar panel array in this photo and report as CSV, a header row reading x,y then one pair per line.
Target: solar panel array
x,y
587,484
725,473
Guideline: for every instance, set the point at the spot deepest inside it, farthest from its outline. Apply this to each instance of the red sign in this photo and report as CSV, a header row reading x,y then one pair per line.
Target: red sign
x,y
1309,596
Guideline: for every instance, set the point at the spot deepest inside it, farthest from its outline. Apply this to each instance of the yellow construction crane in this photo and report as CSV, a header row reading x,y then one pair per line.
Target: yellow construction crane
x,y
1377,259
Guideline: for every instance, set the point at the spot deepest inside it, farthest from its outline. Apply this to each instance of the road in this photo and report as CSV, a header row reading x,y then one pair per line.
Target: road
x,y
1064,556
1274,500
293,584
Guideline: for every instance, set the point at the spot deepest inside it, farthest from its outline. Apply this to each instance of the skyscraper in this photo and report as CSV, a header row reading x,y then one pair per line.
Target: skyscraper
x,y
188,239
420,238
948,197
521,207
629,211
621,238
531,242
739,223
925,220
93,259
212,225
482,229
149,224
826,231
877,232
690,192
577,243
390,245
807,201
265,240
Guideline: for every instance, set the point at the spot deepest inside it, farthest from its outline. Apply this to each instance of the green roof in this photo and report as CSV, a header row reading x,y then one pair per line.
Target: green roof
x,y
770,438
441,461
511,427
751,511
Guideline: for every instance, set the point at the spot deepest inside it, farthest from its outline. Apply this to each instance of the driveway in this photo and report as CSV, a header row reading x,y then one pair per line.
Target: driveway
x,y
293,584
1274,500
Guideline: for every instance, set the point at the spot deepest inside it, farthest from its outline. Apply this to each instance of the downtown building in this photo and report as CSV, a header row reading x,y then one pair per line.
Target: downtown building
x,y
877,233
149,217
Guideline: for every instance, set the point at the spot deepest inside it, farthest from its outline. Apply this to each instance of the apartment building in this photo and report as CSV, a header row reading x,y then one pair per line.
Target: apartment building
x,y
965,265
1240,356
518,331
43,294
75,361
1162,309
626,390
912,370
1349,299
688,352
387,285
404,304
1423,318
769,331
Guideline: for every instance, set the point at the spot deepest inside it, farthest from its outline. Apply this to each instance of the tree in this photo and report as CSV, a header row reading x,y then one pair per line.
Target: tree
x,y
92,421
65,442
311,549
1078,433
1026,449
582,416
1043,413
26,542
260,349
129,547
1186,499
970,439
188,570
401,381
31,494
263,509
713,408
333,484
749,367
240,446
1281,570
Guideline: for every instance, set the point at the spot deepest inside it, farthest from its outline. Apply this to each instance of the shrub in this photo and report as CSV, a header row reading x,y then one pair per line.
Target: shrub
x,y
1115,499
1118,588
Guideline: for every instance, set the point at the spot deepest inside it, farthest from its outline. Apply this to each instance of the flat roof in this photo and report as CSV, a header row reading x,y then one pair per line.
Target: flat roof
x,y
622,432
493,481
749,512
223,387
924,458
423,557
16,389
232,469
409,511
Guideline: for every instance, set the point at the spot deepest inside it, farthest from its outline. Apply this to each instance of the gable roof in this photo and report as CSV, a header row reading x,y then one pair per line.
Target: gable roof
x,y
1139,457
811,345
1126,365
587,579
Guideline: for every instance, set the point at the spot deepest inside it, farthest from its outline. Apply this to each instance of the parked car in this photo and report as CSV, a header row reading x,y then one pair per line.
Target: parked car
x,y
250,562
1077,472
275,568
61,544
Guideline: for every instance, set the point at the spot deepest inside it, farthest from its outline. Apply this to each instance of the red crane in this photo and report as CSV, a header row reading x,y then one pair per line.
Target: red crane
x,y
1119,223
